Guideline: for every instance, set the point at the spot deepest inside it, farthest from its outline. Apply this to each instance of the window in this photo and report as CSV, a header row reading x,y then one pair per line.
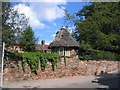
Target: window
x,y
61,51
56,50
21,49
16,48
67,51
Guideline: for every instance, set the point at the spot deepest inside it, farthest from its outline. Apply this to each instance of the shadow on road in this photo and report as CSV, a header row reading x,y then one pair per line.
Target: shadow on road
x,y
110,80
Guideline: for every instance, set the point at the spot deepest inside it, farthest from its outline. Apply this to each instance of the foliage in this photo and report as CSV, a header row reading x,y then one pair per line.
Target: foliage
x,y
69,19
101,25
86,52
98,24
33,58
27,40
84,46
65,60
96,54
12,23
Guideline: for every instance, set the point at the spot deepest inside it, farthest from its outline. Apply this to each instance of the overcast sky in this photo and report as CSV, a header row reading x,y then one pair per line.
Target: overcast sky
x,y
46,18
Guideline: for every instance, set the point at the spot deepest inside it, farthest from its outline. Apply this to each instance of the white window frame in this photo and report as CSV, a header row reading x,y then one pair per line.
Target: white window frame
x,y
61,51
67,51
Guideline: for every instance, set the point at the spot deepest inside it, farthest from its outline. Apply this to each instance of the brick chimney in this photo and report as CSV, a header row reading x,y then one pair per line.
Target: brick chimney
x,y
43,42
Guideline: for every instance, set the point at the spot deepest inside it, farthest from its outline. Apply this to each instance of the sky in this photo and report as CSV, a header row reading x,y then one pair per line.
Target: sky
x,y
46,18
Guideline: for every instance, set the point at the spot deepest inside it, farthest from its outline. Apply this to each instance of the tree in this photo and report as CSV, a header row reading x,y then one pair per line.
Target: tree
x,y
12,24
27,40
69,18
0,27
98,24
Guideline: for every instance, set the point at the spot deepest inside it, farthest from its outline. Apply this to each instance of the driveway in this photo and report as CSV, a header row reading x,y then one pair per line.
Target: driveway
x,y
109,80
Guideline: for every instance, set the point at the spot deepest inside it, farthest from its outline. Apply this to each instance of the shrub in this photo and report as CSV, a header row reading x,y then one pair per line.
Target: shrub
x,y
97,55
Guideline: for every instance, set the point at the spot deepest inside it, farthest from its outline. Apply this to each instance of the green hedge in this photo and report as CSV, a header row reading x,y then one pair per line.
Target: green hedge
x,y
87,52
97,55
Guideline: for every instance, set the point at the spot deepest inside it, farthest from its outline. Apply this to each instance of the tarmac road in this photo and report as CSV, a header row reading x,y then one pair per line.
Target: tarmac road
x,y
109,80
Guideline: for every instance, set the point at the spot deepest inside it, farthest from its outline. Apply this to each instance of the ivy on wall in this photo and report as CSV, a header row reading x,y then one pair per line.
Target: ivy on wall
x,y
34,59
65,60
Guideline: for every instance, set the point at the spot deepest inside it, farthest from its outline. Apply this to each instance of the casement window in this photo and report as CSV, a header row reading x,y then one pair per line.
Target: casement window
x,y
56,50
67,51
21,49
61,51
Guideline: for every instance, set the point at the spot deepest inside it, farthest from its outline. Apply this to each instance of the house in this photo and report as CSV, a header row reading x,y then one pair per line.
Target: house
x,y
18,49
64,43
42,47
14,48
39,47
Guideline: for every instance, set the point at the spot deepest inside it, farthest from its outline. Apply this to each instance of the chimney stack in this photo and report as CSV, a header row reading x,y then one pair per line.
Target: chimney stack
x,y
43,42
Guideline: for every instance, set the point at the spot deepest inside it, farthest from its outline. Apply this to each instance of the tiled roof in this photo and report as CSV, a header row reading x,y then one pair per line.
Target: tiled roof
x,y
42,47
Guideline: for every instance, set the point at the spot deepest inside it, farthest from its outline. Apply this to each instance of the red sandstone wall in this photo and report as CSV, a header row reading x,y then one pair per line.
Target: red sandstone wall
x,y
74,67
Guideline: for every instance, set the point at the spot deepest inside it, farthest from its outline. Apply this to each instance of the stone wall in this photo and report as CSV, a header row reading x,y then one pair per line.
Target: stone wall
x,y
74,67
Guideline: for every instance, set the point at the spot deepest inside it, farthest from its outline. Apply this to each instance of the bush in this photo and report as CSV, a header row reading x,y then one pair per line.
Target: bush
x,y
117,57
86,52
86,57
97,55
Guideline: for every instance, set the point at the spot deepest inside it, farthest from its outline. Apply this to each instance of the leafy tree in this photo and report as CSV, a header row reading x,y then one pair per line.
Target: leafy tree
x,y
98,24
12,23
27,40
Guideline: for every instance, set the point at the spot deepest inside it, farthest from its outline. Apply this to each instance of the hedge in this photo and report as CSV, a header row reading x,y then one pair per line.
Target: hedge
x,y
97,55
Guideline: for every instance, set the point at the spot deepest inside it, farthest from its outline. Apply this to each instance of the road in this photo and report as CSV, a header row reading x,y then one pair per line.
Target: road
x,y
109,80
